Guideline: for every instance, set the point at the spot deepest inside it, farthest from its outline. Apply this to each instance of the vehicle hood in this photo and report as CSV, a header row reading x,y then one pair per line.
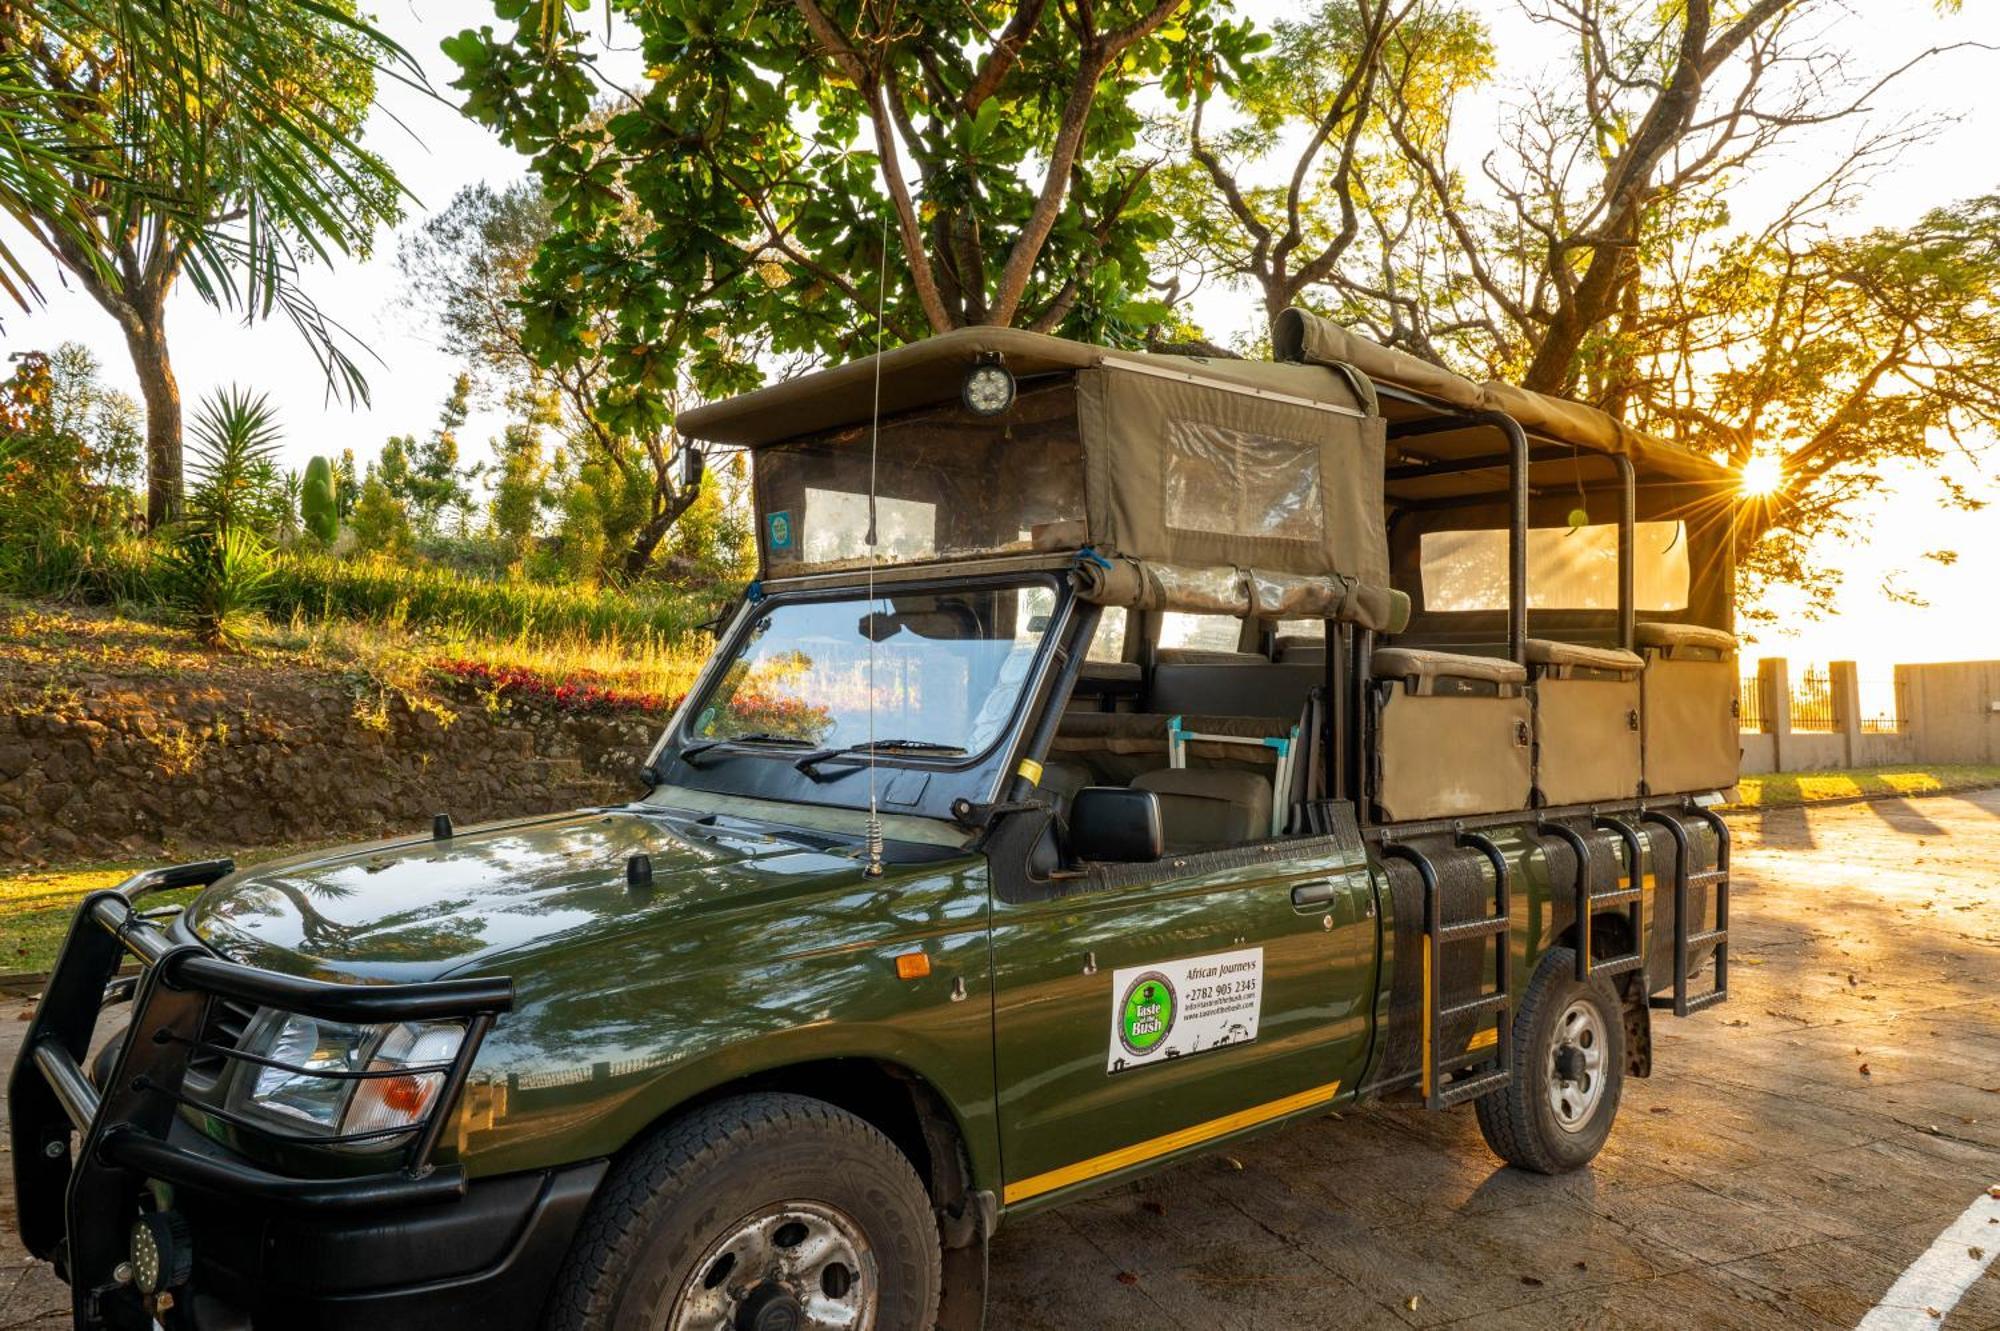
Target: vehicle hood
x,y
414,910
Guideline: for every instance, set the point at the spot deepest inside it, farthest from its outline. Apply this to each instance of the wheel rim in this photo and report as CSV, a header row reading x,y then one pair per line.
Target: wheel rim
x,y
793,1266
1576,1066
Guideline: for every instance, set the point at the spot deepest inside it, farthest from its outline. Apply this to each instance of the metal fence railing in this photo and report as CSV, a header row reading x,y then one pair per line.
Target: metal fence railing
x,y
1885,706
1750,705
1812,701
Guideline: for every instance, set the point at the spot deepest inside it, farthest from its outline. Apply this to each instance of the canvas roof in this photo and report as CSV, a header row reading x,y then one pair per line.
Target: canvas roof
x,y
930,371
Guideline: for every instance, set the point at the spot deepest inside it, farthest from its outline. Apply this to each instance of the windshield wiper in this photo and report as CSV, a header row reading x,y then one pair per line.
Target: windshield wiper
x,y
689,752
811,761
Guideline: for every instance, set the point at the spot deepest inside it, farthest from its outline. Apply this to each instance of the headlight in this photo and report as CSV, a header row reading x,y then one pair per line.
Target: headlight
x,y
307,1082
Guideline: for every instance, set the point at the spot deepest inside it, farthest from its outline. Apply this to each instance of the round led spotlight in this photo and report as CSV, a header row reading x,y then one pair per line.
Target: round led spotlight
x,y
988,389
162,1252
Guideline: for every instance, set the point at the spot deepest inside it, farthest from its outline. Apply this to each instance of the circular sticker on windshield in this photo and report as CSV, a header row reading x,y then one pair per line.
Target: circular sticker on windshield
x,y
1146,1013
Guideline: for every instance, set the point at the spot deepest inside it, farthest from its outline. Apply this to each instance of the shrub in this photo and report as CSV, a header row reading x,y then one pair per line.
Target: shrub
x,y
319,501
216,578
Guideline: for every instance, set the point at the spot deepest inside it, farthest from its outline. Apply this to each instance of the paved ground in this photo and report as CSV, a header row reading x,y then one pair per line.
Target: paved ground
x,y
1795,1151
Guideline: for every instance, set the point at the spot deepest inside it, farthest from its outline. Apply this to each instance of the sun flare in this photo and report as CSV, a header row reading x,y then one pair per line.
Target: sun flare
x,y
1763,474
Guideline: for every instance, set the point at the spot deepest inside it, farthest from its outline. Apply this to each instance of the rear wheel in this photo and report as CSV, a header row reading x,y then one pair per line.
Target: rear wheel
x,y
765,1213
1568,1066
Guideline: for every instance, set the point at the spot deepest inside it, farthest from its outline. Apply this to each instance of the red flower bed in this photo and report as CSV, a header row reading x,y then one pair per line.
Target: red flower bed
x,y
582,693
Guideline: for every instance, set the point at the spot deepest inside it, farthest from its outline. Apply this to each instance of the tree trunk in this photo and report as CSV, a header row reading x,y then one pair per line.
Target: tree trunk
x,y
146,336
647,539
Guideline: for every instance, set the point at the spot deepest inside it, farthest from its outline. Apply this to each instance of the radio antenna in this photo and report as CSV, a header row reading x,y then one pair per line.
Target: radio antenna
x,y
874,827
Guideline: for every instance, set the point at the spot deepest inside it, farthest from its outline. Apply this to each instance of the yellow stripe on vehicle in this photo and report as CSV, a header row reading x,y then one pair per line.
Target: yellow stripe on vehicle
x,y
1491,1035
1424,1052
1140,1152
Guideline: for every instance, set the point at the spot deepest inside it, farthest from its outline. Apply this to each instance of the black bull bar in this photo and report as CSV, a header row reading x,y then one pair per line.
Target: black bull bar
x,y
82,1152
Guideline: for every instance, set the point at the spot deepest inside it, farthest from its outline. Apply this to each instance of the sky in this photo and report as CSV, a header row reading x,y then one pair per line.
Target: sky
x,y
437,152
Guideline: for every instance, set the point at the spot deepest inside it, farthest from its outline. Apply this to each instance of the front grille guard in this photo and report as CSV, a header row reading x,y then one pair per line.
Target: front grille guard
x,y
75,1201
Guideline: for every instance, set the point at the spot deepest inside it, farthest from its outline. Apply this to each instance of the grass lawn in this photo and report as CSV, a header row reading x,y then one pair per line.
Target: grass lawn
x,y
1786,788
37,905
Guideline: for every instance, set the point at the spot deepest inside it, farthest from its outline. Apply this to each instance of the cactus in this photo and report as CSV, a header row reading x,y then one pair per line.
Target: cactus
x,y
319,501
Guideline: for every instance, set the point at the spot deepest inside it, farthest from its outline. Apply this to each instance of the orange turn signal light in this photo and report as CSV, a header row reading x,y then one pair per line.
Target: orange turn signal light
x,y
913,965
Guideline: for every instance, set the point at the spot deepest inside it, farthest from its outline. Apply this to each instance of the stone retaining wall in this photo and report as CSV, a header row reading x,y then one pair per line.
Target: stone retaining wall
x,y
112,767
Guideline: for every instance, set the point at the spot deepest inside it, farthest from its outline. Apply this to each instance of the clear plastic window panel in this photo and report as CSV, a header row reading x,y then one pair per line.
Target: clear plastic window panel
x,y
947,484
1226,482
1568,568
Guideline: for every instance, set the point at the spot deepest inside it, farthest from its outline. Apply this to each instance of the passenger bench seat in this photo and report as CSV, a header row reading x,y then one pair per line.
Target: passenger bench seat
x,y
1453,734
1586,721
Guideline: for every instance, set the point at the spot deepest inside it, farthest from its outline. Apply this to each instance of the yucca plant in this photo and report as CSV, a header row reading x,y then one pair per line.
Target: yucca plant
x,y
217,579
237,485
217,563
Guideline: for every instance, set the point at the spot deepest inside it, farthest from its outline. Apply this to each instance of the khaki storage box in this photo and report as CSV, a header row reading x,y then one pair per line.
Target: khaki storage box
x,y
1451,735
1586,722
1688,701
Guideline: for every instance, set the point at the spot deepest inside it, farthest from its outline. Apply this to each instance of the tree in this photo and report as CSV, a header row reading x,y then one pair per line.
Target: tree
x,y
752,184
466,267
1594,252
1285,232
380,523
104,419
1824,356
426,476
189,139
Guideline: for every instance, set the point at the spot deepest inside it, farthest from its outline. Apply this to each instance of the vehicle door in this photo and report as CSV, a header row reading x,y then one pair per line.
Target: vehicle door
x,y
1164,1005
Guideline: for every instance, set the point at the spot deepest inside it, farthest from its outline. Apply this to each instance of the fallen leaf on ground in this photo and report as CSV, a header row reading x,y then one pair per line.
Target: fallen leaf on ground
x,y
1153,1208
1231,1162
1412,1302
1127,1278
1531,1282
1865,1072
1976,1253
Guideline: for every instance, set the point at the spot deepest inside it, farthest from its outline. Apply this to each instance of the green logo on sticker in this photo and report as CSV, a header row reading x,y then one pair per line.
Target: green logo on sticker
x,y
1146,1013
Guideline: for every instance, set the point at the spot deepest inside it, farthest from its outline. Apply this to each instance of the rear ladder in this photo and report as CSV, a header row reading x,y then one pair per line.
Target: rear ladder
x,y
1438,1013
1686,939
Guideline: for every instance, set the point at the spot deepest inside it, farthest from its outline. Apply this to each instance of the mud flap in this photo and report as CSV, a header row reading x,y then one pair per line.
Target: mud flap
x,y
962,1301
1638,1030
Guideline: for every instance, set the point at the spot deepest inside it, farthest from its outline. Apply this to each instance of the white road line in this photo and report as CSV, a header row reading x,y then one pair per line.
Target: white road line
x,y
1936,1281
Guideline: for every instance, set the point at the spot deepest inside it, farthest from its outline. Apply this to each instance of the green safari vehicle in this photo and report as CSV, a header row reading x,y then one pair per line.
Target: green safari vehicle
x,y
1118,755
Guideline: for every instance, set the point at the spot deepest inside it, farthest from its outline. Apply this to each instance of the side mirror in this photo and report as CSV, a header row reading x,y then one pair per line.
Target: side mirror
x,y
1117,825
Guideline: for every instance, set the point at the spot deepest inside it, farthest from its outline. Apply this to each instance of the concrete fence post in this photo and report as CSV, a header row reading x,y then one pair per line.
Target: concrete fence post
x,y
1774,685
1845,681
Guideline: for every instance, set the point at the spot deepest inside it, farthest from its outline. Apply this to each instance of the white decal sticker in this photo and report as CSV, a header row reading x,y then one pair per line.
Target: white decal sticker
x,y
1177,1008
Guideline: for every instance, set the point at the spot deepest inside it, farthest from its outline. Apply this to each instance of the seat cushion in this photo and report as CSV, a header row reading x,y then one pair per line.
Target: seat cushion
x,y
1419,663
1684,635
1543,651
1208,656
1202,806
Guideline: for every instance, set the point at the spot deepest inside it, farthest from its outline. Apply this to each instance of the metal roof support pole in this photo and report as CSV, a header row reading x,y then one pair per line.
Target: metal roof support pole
x,y
1517,487
1628,505
1517,532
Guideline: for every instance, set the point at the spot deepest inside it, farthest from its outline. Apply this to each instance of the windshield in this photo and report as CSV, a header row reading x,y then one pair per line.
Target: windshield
x,y
948,668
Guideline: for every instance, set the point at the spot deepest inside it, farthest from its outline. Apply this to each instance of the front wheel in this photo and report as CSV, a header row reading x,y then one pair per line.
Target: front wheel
x,y
770,1212
1568,1066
